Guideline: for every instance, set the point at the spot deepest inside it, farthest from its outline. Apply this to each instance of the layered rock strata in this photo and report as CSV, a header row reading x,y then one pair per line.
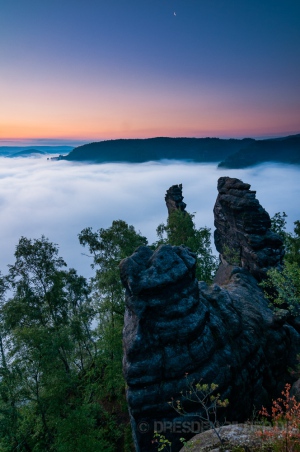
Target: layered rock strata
x,y
178,330
243,236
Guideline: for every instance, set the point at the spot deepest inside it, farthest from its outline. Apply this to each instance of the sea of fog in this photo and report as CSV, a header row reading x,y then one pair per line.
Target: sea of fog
x,y
58,198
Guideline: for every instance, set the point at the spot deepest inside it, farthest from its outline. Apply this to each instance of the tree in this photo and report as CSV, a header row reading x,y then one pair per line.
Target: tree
x,y
293,245
291,240
48,375
180,229
278,224
108,247
282,287
9,385
207,402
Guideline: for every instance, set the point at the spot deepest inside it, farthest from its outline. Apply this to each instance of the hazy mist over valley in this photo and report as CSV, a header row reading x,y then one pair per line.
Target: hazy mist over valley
x,y
59,199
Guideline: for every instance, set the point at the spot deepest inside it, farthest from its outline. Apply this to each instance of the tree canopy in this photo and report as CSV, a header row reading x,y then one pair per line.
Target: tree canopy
x,y
49,373
180,229
282,287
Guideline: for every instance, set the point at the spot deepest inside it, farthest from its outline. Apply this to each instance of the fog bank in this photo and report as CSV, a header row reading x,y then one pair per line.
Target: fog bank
x,y
59,199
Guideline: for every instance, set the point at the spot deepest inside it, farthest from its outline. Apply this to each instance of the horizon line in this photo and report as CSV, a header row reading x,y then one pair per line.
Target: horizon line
x,y
69,142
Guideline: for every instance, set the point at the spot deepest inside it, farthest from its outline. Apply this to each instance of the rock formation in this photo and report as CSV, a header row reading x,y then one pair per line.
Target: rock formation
x,y
174,199
178,329
243,236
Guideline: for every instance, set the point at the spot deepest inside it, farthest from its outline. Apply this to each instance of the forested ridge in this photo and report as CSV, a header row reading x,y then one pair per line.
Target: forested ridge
x,y
229,153
61,383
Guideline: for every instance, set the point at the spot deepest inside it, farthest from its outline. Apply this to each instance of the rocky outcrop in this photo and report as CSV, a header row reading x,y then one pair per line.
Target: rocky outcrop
x,y
178,330
243,236
174,199
243,437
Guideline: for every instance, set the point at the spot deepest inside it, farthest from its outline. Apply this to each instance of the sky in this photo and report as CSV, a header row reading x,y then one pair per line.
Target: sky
x,y
76,71
59,198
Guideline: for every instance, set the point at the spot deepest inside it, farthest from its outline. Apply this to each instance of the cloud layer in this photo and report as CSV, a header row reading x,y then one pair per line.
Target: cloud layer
x,y
59,199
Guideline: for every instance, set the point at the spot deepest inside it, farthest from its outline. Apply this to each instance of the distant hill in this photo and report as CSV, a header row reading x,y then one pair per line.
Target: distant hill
x,y
282,150
143,150
231,153
26,153
9,150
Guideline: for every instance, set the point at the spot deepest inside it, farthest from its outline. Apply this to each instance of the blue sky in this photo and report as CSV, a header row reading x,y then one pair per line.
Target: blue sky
x,y
88,70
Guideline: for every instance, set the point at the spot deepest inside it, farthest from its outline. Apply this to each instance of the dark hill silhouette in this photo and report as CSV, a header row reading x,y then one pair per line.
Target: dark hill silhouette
x,y
9,150
143,150
282,150
232,153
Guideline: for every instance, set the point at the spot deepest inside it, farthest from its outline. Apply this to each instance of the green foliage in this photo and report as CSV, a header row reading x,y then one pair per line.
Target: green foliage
x,y
180,229
187,445
78,431
278,224
162,442
282,287
61,383
48,356
109,247
231,255
207,400
291,240
292,243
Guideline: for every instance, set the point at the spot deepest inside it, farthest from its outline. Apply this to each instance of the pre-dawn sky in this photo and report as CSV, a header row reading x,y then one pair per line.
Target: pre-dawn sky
x,y
99,69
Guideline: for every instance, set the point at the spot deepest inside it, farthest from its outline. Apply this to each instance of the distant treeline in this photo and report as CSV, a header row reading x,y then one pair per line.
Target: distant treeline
x,y
229,153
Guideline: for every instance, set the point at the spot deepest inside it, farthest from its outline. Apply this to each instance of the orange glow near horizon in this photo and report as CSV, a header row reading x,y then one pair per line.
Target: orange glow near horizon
x,y
228,128
103,71
141,122
81,109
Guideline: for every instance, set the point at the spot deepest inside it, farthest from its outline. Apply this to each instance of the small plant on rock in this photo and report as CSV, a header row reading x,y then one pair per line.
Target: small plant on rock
x,y
208,400
163,444
284,436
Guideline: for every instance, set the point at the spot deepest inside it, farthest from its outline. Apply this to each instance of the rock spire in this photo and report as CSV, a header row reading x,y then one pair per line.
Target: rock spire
x,y
243,236
174,199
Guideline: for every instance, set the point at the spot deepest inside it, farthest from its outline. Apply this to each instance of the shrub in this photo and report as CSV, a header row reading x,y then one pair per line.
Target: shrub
x,y
285,420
